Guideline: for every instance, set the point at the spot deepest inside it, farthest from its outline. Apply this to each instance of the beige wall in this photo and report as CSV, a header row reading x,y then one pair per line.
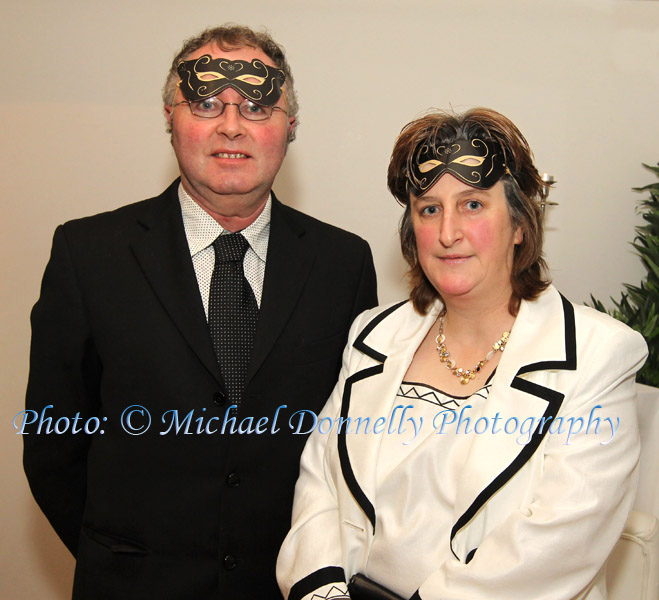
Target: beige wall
x,y
82,132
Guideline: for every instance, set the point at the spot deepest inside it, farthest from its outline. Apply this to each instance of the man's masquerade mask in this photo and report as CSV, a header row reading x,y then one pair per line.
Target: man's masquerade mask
x,y
478,163
206,76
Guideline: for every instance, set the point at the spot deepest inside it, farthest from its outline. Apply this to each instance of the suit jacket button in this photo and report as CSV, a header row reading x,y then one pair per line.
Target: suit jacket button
x,y
229,562
220,398
233,480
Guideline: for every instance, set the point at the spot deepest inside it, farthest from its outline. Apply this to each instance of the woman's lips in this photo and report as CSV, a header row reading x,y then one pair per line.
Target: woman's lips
x,y
454,259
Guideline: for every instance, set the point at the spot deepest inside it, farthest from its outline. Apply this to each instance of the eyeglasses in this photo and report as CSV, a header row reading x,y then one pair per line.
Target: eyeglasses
x,y
209,108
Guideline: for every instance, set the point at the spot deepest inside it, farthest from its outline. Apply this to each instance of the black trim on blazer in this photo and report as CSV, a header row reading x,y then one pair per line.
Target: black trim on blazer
x,y
570,362
346,468
554,400
359,342
315,580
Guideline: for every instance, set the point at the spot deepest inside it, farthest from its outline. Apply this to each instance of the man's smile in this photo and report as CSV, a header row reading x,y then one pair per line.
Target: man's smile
x,y
230,155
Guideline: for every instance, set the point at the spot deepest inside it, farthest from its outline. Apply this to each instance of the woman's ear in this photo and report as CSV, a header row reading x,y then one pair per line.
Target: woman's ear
x,y
518,236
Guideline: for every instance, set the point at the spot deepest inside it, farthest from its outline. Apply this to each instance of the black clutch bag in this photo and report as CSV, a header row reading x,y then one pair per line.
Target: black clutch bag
x,y
363,588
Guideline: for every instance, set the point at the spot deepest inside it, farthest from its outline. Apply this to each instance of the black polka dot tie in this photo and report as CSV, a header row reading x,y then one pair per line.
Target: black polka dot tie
x,y
232,313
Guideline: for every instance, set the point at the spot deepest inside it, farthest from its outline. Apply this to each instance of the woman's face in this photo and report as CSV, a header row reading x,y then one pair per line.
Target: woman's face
x,y
465,240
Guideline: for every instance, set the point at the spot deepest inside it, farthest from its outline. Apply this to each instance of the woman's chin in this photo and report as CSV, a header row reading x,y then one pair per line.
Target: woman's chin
x,y
454,289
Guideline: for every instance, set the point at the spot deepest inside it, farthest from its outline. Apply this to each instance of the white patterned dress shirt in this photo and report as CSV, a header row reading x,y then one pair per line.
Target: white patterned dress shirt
x,y
201,230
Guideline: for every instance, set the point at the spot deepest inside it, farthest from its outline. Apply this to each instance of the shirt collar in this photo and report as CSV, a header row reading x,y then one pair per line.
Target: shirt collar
x,y
201,229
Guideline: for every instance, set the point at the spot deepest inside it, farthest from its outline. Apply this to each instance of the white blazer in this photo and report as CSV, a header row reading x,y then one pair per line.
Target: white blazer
x,y
534,520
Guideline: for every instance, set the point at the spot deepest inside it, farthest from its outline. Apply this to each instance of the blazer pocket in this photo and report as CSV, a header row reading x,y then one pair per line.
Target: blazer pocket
x,y
109,566
116,544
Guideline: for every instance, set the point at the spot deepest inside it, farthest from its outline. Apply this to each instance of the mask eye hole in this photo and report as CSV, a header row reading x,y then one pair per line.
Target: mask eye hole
x,y
469,161
429,165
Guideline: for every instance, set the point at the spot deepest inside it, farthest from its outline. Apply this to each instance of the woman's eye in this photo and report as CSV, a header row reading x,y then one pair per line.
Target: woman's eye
x,y
429,211
473,205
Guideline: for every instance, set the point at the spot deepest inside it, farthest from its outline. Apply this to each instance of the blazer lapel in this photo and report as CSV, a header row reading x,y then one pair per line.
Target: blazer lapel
x,y
162,251
289,261
542,339
388,343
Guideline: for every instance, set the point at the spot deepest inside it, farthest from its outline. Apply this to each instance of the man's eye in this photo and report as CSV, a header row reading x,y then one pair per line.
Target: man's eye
x,y
251,108
208,105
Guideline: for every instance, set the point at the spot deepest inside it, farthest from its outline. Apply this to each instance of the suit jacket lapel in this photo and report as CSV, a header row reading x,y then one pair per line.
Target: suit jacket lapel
x,y
162,251
289,261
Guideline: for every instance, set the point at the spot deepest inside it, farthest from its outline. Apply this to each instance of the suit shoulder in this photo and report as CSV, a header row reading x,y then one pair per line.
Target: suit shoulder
x,y
589,317
318,228
601,328
123,216
117,214
372,317
384,310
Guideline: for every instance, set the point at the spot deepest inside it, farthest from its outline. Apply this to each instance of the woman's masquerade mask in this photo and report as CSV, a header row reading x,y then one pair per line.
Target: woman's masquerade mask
x,y
478,163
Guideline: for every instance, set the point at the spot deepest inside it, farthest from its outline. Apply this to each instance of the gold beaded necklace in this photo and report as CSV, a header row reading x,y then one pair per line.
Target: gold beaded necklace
x,y
465,375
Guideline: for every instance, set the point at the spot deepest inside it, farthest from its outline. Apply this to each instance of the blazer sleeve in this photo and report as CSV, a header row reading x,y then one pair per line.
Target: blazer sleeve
x,y
310,559
63,383
554,547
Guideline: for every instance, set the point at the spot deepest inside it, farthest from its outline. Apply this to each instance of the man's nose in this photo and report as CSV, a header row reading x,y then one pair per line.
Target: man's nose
x,y
230,122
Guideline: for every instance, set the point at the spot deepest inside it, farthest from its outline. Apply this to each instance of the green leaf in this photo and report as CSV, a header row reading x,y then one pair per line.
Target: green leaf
x,y
638,305
650,328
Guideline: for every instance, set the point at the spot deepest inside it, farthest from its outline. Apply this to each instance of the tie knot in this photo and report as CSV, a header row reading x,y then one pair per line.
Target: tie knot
x,y
230,247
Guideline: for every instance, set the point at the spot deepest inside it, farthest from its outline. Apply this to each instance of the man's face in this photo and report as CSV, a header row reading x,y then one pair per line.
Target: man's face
x,y
229,161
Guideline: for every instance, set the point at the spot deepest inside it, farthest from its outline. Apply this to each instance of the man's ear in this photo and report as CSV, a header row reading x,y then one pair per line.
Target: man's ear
x,y
291,123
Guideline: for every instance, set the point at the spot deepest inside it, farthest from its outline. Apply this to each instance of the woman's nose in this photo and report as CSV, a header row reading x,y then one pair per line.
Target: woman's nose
x,y
449,229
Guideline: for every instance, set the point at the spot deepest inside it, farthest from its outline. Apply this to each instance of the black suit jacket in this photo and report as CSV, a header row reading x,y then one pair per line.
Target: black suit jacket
x,y
181,509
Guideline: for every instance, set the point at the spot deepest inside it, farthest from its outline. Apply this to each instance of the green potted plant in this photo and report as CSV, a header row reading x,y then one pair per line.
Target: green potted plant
x,y
638,306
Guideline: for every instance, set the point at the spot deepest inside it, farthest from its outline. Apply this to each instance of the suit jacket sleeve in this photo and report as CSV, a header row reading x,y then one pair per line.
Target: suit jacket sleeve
x,y
554,547
63,382
366,296
311,558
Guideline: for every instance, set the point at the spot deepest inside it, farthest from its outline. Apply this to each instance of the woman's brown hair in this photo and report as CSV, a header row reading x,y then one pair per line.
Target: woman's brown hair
x,y
522,185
